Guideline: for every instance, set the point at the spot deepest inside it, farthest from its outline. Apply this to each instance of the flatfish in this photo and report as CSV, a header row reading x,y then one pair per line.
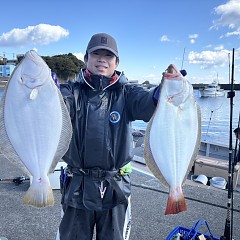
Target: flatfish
x,y
173,136
35,127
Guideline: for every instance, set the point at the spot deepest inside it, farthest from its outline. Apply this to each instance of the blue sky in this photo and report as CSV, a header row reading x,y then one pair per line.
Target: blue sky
x,y
198,35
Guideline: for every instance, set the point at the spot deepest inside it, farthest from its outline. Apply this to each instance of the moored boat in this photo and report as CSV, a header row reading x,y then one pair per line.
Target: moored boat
x,y
212,90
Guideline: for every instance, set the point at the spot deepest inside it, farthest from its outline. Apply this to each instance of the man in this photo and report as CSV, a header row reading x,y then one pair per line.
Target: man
x,y
237,134
96,185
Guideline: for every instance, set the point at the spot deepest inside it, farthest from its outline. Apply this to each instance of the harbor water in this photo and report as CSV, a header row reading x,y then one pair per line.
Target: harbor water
x,y
215,113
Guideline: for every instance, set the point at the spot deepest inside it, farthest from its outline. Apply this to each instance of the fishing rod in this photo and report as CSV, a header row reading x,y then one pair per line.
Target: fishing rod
x,y
228,224
208,125
210,119
17,180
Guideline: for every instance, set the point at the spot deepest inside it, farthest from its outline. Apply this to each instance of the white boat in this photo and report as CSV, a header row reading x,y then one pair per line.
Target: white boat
x,y
212,90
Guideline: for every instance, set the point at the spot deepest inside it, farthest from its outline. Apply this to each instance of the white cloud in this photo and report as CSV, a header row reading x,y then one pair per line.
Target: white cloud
x,y
42,34
164,38
219,48
209,59
193,38
229,17
35,49
208,46
229,34
79,56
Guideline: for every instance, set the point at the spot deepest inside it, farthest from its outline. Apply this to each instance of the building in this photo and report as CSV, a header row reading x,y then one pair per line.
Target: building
x,y
6,70
133,81
12,62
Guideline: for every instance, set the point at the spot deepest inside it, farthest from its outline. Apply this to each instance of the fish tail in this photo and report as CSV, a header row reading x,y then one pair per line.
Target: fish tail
x,y
39,194
176,202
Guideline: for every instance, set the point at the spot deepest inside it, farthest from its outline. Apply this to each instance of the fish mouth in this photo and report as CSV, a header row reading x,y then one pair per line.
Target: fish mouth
x,y
172,69
172,73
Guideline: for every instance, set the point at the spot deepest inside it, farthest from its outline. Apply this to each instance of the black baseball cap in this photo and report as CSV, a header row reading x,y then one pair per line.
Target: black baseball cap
x,y
102,41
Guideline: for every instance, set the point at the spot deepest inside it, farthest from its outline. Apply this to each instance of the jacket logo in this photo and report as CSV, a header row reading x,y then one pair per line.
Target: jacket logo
x,y
114,117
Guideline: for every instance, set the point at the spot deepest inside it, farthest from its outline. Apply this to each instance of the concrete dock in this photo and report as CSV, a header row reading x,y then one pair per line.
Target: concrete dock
x,y
149,200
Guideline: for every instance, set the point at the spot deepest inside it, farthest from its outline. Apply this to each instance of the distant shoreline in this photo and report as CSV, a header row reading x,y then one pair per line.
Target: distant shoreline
x,y
3,82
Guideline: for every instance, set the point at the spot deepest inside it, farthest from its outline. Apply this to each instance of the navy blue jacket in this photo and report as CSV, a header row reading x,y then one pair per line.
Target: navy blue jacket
x,y
101,120
101,111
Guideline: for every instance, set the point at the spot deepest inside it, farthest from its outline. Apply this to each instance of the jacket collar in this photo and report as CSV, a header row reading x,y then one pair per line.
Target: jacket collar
x,y
98,82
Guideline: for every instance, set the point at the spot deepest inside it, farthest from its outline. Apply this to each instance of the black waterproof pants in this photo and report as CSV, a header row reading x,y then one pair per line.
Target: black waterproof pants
x,y
79,224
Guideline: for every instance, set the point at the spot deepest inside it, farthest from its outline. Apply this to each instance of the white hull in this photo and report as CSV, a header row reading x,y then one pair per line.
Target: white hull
x,y
206,93
212,90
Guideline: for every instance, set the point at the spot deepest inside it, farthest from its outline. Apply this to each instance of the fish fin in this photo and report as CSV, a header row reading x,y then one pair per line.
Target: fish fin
x,y
151,164
6,147
176,202
197,145
66,134
39,194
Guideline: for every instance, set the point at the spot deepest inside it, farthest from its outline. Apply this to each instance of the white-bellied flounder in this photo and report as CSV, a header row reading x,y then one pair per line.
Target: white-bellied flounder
x,y
35,127
172,137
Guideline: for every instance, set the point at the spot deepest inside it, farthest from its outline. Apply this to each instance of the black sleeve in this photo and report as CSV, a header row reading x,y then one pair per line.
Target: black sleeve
x,y
139,102
68,96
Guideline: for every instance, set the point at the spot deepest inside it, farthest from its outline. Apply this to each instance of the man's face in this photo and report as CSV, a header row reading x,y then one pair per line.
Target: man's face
x,y
102,62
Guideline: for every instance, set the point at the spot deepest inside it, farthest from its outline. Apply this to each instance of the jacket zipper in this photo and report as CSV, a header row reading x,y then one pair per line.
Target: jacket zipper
x,y
86,126
113,82
101,83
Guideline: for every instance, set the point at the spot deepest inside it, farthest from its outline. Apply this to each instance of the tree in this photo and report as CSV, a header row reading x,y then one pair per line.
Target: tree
x,y
66,66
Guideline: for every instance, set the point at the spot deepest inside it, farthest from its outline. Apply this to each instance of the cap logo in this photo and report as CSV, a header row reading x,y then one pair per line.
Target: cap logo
x,y
114,117
104,40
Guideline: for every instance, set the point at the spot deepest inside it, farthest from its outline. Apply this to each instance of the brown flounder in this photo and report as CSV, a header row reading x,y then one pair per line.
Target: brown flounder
x,y
173,137
35,127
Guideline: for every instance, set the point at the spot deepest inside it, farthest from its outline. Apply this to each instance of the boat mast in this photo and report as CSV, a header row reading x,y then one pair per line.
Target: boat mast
x,y
183,58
